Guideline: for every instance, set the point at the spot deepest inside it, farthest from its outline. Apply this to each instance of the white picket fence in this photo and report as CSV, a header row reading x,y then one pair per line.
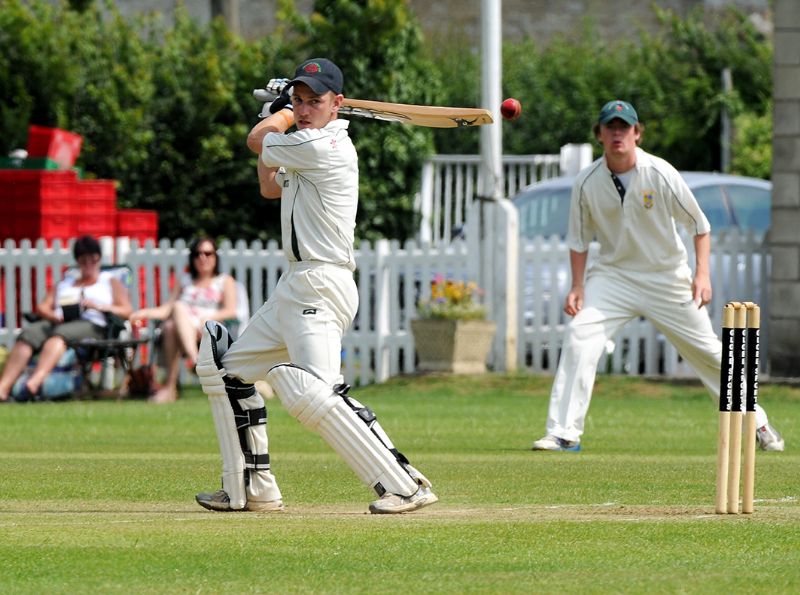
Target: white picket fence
x,y
392,278
740,267
450,183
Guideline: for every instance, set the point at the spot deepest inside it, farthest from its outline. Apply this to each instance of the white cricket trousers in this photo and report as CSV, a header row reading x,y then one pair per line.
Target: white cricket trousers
x,y
612,298
302,322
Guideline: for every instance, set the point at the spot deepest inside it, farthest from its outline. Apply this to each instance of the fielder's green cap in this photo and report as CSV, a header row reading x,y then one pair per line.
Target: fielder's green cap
x,y
618,109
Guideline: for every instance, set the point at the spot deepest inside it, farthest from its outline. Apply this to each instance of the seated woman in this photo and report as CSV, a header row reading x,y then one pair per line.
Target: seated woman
x,y
202,294
74,309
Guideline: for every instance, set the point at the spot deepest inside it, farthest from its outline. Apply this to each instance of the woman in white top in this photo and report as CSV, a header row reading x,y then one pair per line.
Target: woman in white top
x,y
74,309
200,295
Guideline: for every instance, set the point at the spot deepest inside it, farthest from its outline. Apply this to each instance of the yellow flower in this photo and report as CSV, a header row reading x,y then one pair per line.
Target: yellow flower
x,y
452,299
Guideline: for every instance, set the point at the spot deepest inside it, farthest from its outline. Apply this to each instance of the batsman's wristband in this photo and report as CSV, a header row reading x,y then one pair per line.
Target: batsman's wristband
x,y
285,118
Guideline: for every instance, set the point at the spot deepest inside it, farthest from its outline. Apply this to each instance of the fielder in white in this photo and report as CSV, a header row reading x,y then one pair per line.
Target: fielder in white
x,y
294,341
630,202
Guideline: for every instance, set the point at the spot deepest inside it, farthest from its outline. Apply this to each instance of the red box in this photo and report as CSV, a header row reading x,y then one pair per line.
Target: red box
x,y
138,224
97,224
50,226
61,146
33,191
97,197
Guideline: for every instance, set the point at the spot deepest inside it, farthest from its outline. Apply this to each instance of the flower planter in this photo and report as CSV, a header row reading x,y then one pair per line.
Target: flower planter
x,y
452,346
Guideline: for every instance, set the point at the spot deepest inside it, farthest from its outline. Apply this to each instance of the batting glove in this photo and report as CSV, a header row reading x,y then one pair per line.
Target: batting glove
x,y
275,97
276,86
284,101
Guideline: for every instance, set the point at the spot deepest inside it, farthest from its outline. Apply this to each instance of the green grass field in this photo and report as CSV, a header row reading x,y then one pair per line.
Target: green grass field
x,y
98,496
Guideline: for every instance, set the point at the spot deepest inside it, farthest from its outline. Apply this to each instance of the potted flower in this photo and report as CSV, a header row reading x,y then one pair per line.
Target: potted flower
x,y
451,333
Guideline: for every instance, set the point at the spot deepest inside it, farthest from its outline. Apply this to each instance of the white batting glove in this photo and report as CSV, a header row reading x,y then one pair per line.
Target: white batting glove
x,y
275,97
276,86
265,110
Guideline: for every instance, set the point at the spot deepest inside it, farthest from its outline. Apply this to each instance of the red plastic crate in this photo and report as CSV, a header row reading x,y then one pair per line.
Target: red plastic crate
x,y
61,146
38,191
139,224
97,224
49,226
97,196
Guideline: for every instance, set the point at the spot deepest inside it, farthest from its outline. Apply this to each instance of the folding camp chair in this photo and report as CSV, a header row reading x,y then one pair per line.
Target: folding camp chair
x,y
98,361
106,363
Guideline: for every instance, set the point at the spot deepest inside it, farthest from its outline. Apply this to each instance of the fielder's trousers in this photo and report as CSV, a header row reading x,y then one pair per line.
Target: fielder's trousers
x,y
613,297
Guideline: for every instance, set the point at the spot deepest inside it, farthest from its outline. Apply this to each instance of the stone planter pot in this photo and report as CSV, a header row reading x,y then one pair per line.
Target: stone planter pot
x,y
453,346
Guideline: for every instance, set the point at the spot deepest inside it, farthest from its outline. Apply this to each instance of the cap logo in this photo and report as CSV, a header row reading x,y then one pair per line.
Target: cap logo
x,y
312,68
619,107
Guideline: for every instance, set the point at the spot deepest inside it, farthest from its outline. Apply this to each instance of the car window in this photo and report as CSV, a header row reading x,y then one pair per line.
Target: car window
x,y
544,212
713,205
751,206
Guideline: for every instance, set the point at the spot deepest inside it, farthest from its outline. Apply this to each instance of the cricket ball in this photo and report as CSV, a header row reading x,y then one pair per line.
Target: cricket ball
x,y
511,109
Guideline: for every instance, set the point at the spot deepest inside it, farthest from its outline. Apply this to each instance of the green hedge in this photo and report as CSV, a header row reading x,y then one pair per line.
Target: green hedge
x,y
673,78
165,110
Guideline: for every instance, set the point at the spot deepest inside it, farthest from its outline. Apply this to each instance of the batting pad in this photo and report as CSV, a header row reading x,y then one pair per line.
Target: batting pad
x,y
317,407
214,342
251,417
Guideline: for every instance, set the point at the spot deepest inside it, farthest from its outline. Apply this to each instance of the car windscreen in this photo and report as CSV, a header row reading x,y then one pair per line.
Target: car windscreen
x,y
543,212
751,206
712,203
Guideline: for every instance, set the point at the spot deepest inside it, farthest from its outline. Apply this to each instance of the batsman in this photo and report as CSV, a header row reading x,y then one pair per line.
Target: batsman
x,y
294,340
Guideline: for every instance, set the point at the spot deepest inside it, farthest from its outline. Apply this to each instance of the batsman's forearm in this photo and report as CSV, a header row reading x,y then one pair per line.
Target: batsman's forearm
x,y
278,122
266,181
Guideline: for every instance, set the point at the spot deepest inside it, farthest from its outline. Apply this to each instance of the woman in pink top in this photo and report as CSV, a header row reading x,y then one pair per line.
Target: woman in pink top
x,y
202,294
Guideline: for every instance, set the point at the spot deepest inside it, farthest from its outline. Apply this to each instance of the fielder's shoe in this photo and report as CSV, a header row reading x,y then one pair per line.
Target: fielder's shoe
x,y
769,438
220,502
551,442
395,504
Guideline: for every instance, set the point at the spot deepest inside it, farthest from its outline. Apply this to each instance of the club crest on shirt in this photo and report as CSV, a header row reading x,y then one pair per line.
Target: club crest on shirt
x,y
647,199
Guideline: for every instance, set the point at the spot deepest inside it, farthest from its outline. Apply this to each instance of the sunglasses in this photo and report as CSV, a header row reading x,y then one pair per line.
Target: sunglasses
x,y
208,253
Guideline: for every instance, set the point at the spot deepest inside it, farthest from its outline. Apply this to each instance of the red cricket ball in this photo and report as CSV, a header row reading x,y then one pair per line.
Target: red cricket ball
x,y
511,109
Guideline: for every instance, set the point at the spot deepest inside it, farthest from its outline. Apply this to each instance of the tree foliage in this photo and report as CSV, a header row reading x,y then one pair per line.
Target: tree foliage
x,y
673,78
165,110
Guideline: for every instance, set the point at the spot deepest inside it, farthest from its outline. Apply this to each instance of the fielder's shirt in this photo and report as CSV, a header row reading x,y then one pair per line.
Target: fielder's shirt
x,y
319,179
639,232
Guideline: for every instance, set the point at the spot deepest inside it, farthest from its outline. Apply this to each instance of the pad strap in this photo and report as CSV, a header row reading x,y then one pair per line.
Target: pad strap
x,y
244,419
368,416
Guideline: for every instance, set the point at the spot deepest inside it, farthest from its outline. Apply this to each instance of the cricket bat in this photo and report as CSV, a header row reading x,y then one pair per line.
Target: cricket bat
x,y
416,115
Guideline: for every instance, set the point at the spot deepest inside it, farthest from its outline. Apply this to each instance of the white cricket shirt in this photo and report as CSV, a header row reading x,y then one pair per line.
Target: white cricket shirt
x,y
640,232
319,198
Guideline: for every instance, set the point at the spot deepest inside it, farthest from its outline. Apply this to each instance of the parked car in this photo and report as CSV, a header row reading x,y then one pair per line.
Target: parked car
x,y
729,202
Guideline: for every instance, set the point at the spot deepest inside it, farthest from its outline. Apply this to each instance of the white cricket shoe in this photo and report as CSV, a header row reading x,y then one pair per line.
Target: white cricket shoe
x,y
395,504
769,438
551,442
220,502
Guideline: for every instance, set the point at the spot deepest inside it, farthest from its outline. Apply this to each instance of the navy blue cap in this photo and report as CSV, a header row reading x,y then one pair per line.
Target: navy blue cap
x,y
320,74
